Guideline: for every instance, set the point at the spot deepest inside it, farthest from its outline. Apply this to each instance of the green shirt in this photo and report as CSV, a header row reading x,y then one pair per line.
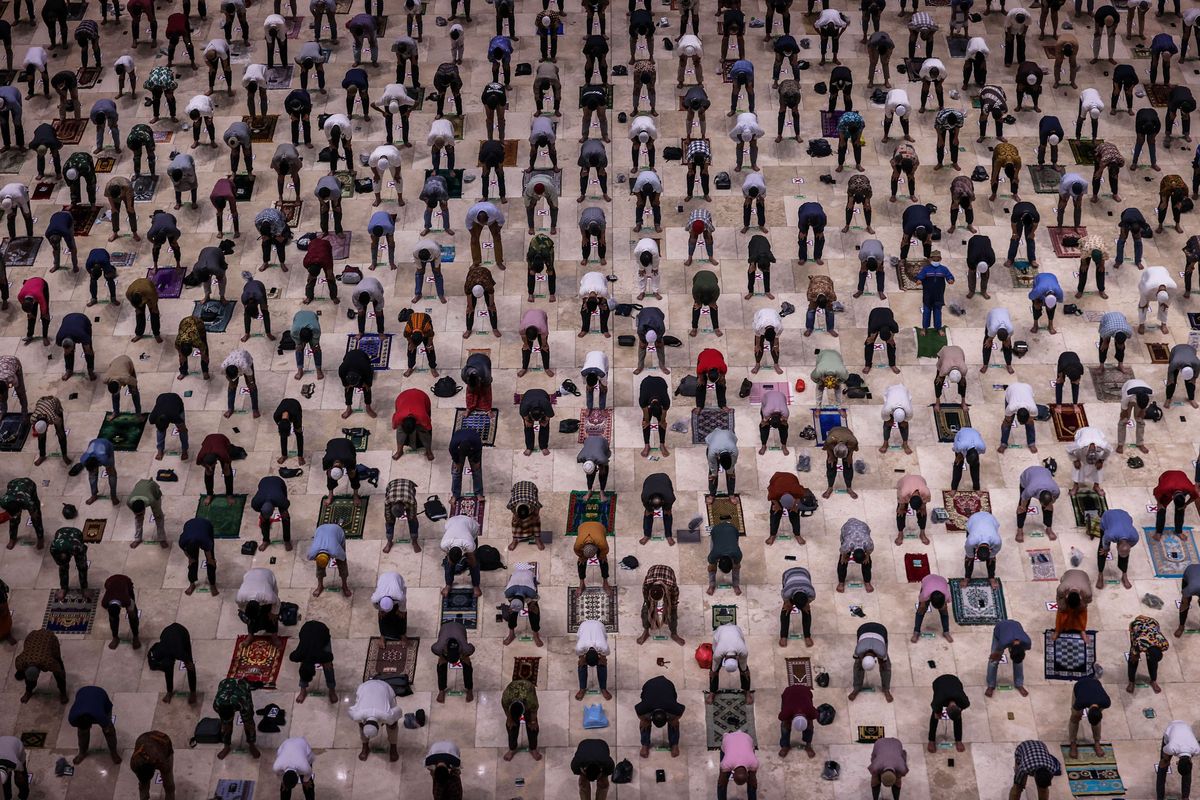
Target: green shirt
x,y
234,693
140,135
81,163
148,492
705,287
522,692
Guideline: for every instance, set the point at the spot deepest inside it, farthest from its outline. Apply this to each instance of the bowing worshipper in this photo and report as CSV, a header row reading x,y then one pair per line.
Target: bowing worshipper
x,y
174,645
41,652
458,544
521,592
1037,482
216,450
934,592
21,495
1090,699
314,649
798,593
784,492
738,762
1073,596
881,324
1178,741
294,767
197,537
1174,488
593,764
658,500
1008,637
146,493
68,546
374,708
721,452
119,595
289,420
400,502
654,398
1135,399
768,329
258,602
855,544
594,455
1032,758
660,603
912,495
595,378
466,448
390,599
419,334
829,374
519,702
949,699
591,542
724,555
896,411
797,714
840,446
413,423
444,761
1145,638
731,654
1183,365
452,647
93,707
341,461
47,413
888,766
1088,452
983,543
659,707
1116,527
591,650
526,511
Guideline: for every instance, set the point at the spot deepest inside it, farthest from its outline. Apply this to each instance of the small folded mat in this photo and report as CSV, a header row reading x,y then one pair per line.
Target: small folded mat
x,y
262,128
949,420
1085,502
799,671
829,123
484,422
343,511
1084,150
723,615
916,566
1041,562
69,131
1158,94
474,507
1067,419
1056,239
14,430
84,217
1045,178
21,251
378,348
144,187
825,419
757,390
224,314
1091,775
93,530
1160,352
1023,274
906,274
931,342
168,281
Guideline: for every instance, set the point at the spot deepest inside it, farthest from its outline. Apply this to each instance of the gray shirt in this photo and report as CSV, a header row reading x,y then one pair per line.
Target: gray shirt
x,y
239,132
335,189
719,442
798,579
723,541
163,227
871,248
589,215
1035,480
1182,355
595,448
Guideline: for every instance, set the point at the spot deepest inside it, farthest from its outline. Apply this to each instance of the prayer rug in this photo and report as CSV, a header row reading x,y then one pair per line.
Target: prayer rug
x,y
868,734
484,422
1193,318
461,605
957,46
1140,51
75,614
912,68
243,187
1068,658
11,161
1158,94
123,430
976,602
961,505
525,668
224,513
826,419
1091,775
378,348
294,26
454,180
93,530
280,77
456,122
1067,419
345,179
829,123
359,437
1084,150
931,342
799,671
44,190
510,152
75,11
724,509
291,210
417,95
168,281
474,507
105,164
21,251
906,274
162,137
1171,554
144,188
1041,562
14,430
7,76
343,6
224,314
1108,380
33,739
707,420
723,615
598,422
1056,239
1023,274
69,131
1087,503
257,659
727,713
1160,352
916,567
594,602
387,657
262,128
757,390
949,420
580,509
121,259
345,512
84,218
87,76
231,789
340,244
1045,178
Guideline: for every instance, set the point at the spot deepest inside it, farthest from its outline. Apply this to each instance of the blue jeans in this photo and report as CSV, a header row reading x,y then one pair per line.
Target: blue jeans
x,y
929,313
810,319
1137,250
160,438
456,475
920,620
1018,673
438,282
1030,432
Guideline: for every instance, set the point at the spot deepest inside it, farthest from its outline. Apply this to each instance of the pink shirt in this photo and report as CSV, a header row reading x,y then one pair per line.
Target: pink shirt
x,y
909,485
535,318
737,750
774,402
934,583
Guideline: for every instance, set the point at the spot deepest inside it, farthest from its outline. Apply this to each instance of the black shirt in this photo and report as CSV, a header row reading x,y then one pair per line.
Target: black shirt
x,y
658,485
916,216
659,694
589,752
491,153
536,400
882,320
339,449
356,362
949,689
1070,365
1089,692
979,248
652,388
291,406
168,410
175,643
1023,210
1147,121
1125,75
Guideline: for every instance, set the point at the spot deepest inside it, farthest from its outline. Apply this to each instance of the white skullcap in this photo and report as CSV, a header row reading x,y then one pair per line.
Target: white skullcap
x,y
868,662
651,337
383,163
1053,138
747,136
337,473
40,426
1162,296
955,375
370,729
546,20
477,290
982,268
6,203
1051,301
799,723
644,137
730,663
1031,79
589,467
72,174
394,107
898,415
689,50
386,604
1187,373
1094,113
902,110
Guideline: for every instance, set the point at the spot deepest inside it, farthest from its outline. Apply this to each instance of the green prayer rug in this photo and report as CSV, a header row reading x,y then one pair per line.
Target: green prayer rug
x,y
930,342
123,430
225,514
345,512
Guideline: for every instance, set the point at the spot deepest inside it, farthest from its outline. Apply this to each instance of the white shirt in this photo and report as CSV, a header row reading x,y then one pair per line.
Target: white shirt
x,y
1010,20
1018,396
642,123
977,44
928,65
340,121
897,396
1151,279
441,132
201,103
1130,391
767,318
294,754
388,151
541,126
690,40
1179,740
127,63
647,178
375,701
1089,435
391,584
241,359
728,640
831,16
18,193
596,360
747,122
395,92
1191,17
258,584
997,319
254,73
1088,99
646,245
461,532
591,635
754,180
274,22
593,282
983,528
36,57
427,244
897,97
218,46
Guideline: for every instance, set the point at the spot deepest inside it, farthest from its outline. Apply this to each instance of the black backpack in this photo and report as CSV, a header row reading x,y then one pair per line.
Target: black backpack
x,y
623,772
208,731
487,558
435,509
289,614
446,387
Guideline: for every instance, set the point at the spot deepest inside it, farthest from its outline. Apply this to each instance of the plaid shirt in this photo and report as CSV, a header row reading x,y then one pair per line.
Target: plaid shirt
x,y
698,146
701,215
949,119
400,491
530,527
921,22
1112,323
276,224
1032,755
524,493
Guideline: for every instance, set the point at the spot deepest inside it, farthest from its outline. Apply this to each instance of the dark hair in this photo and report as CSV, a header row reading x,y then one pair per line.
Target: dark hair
x,y
915,502
1023,416
137,505
725,564
983,552
231,372
113,387
306,335
454,555
659,718
531,332
290,779
937,600
1045,497
408,424
859,555
1042,777
1074,600
713,374
1094,715
1142,399
1017,653
725,460
209,459
769,333
1002,334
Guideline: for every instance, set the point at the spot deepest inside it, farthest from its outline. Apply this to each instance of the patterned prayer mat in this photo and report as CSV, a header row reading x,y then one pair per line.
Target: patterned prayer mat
x,y
1056,239
724,509
949,420
144,188
707,420
1160,352
294,25
723,615
345,179
1193,317
123,430
44,190
475,507
84,218
916,567
231,789
1107,381
1084,150
21,251
1171,554
1158,94
359,437
12,161
598,422
1067,419
1041,562
75,614
1045,178
339,243
378,348
799,671
870,733
1023,274
122,259
33,739
454,181
581,510
525,668
76,10
262,129
14,430
1087,503
225,514
510,152
757,390
976,602
930,343
906,274
387,657
461,605
257,659
1068,658
829,123
912,68
961,505
345,512
291,210
482,421
93,530
168,281
727,713
69,131
87,76
594,602
1091,775
826,419
224,314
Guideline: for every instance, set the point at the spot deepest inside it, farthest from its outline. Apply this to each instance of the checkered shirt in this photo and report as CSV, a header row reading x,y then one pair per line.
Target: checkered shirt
x,y
703,215
400,491
949,119
698,146
524,493
921,22
1112,323
1032,755
274,219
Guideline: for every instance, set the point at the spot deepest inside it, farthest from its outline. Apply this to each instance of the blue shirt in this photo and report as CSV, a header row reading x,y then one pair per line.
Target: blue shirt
x,y
197,534
968,439
1048,126
355,77
933,278
330,539
100,450
99,259
61,224
503,44
92,706
1045,283
76,327
381,219
811,214
1117,526
273,490
1006,632
742,69
464,444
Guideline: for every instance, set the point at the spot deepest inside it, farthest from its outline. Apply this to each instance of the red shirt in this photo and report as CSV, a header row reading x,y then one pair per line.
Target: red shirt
x,y
797,701
710,359
223,189
413,403
782,483
1172,481
39,290
319,253
117,589
176,25
217,443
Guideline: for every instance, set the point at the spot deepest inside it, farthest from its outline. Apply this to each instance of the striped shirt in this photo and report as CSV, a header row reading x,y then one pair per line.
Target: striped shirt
x,y
949,119
921,22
